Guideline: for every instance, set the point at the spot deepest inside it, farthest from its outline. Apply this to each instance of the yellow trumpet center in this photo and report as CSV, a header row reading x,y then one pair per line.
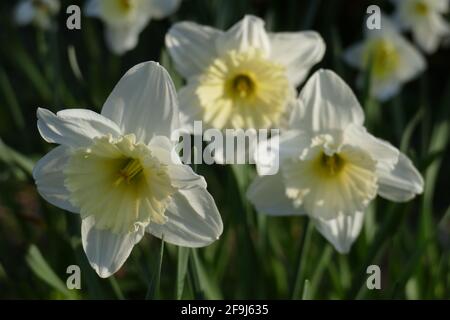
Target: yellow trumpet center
x,y
384,57
126,5
132,169
120,183
243,90
421,8
331,165
243,86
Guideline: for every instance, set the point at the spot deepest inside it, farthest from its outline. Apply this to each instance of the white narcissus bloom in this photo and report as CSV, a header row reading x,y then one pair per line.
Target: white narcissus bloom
x,y
38,12
424,18
330,166
117,170
394,61
243,77
125,19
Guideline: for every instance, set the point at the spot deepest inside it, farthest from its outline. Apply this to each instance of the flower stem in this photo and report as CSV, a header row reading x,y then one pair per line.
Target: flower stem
x,y
194,275
153,287
116,288
304,247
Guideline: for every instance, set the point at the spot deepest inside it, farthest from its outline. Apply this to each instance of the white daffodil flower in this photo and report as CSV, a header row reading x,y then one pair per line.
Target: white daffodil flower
x,y
117,170
330,166
125,19
394,61
243,77
37,12
424,18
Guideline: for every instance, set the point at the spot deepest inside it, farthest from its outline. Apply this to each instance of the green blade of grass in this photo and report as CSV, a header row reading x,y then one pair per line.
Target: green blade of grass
x,y
153,288
305,294
301,259
116,288
319,270
182,266
11,100
42,270
21,59
12,157
194,275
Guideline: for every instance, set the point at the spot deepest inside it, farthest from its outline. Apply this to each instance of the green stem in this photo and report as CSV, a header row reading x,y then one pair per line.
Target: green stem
x,y
116,288
304,248
153,287
194,275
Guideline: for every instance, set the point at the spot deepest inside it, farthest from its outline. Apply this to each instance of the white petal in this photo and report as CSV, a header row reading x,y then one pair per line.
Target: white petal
x,y
388,28
342,231
92,8
107,251
383,152
53,5
428,33
268,195
385,90
247,33
49,178
298,51
328,103
401,184
412,62
440,5
191,109
191,46
24,13
354,55
74,127
121,39
193,220
182,176
162,8
270,154
144,102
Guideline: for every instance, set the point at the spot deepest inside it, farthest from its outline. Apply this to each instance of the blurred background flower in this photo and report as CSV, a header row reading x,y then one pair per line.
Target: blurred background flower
x,y
125,19
389,58
37,12
424,18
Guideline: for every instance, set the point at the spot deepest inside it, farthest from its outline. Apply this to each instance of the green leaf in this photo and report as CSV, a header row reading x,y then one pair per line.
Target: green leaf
x,y
12,157
183,259
11,100
41,269
153,288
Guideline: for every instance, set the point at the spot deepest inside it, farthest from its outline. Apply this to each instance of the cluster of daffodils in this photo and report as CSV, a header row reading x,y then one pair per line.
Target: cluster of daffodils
x,y
117,170
392,60
331,168
37,12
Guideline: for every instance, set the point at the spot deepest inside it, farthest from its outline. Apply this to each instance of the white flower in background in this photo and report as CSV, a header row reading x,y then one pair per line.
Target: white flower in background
x,y
117,170
243,77
424,18
125,19
394,60
330,166
38,12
